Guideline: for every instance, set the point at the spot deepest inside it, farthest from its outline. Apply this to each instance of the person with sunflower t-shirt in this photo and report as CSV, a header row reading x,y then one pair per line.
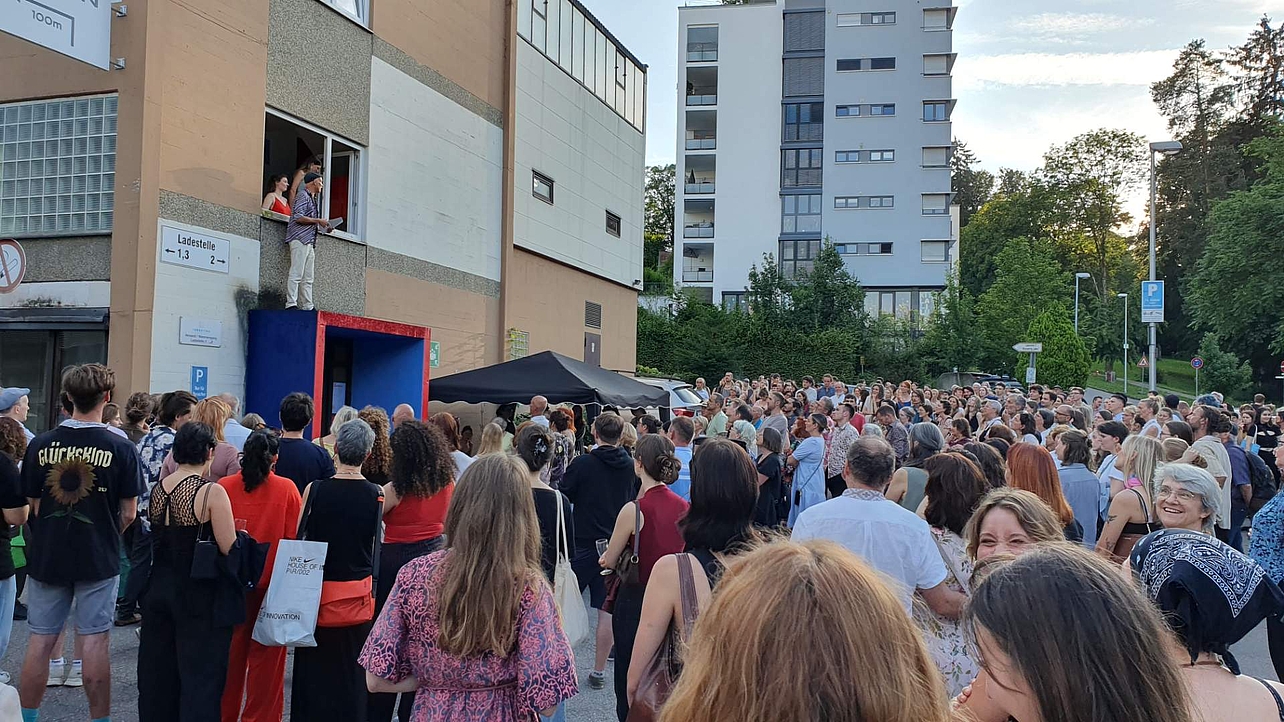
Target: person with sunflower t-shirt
x,y
83,483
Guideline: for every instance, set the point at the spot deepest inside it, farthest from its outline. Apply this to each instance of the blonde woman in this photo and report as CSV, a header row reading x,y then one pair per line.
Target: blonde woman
x,y
1132,507
779,642
343,416
629,438
492,440
214,413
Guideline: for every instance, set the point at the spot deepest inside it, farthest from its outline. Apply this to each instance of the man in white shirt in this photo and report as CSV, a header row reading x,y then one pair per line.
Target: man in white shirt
x,y
1206,425
989,417
887,537
701,389
539,408
233,432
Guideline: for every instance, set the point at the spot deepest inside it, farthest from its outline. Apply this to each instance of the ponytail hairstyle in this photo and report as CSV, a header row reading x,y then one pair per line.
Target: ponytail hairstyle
x,y
256,461
655,451
534,446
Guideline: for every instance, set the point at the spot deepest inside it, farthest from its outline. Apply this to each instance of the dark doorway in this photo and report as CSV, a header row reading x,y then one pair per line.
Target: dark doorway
x,y
336,380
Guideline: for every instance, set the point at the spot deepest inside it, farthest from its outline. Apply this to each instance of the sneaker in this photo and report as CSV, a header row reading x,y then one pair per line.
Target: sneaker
x,y
74,677
5,678
19,612
597,680
125,619
610,657
57,670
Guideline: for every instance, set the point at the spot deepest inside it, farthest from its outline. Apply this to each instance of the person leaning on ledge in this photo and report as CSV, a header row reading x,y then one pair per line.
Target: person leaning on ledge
x,y
301,235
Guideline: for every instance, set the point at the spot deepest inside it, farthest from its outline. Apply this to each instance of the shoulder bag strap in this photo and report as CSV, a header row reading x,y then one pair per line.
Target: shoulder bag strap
x,y
378,546
307,511
637,524
686,586
562,544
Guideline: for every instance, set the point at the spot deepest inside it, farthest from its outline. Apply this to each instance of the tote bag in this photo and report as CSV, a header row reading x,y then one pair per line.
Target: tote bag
x,y
288,617
566,587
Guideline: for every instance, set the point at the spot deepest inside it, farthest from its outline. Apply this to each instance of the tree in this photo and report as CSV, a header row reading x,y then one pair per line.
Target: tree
x,y
1027,280
1259,66
950,340
1064,360
1223,371
972,186
767,291
1019,214
827,296
658,196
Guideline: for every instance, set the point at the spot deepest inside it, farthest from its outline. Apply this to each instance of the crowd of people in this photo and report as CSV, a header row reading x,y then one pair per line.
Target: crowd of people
x,y
1012,553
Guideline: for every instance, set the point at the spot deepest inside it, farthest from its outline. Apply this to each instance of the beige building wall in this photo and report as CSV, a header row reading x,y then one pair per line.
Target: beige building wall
x,y
546,299
464,41
466,325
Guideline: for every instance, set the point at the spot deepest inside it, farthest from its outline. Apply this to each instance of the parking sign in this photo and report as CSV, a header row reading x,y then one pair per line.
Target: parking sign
x,y
1152,301
200,381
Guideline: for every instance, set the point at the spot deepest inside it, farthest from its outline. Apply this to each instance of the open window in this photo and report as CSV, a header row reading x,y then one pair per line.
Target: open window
x,y
288,145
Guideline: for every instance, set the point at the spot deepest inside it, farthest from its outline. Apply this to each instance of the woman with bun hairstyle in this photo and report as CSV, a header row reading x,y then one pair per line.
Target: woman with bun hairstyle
x,y
535,445
653,518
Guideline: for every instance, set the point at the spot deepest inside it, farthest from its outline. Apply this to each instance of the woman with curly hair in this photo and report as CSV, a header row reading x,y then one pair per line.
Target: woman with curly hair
x,y
13,444
421,475
379,464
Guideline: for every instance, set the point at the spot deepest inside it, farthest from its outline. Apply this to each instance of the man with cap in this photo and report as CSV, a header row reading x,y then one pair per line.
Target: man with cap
x,y
15,405
301,235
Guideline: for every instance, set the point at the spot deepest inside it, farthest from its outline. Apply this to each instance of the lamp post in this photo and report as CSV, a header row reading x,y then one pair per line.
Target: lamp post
x,y
1124,296
1167,147
1078,277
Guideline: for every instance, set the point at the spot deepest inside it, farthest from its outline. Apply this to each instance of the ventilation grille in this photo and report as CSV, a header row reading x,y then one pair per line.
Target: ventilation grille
x,y
592,314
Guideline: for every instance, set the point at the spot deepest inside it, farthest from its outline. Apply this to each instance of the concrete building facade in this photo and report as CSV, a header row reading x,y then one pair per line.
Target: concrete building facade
x,y
801,121
430,119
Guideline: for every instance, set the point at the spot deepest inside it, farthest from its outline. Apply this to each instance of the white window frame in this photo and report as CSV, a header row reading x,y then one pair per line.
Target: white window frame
x,y
932,210
882,156
944,257
362,15
882,107
357,205
857,20
934,103
849,113
882,201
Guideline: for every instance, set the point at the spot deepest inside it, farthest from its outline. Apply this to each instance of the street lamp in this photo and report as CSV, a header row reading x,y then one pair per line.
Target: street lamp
x,y
1077,277
1124,296
1166,147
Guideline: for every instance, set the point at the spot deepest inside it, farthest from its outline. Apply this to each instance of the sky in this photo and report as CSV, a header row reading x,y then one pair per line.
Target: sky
x,y
1028,74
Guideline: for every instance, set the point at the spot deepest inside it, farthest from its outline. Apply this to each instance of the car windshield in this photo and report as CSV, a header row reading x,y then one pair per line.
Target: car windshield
x,y
686,395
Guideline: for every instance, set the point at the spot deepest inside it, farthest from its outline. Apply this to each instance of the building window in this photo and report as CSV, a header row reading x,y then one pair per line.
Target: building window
x,y
936,204
800,213
907,304
797,257
936,156
936,111
851,64
847,111
882,156
937,18
290,143
735,301
851,202
847,20
864,156
883,109
804,121
803,76
938,64
702,44
864,249
804,31
801,167
613,224
542,187
935,251
58,166
358,10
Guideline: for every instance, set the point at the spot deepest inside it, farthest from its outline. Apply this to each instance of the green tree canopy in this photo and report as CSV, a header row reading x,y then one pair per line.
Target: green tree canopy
x,y
1064,360
1027,281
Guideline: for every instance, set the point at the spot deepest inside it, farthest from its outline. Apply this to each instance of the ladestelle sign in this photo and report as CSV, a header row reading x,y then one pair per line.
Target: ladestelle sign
x,y
80,29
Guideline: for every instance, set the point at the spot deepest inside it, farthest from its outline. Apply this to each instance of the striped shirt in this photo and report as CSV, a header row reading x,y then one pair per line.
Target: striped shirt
x,y
305,206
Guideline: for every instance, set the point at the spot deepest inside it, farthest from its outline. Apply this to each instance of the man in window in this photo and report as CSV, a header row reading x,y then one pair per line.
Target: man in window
x,y
301,235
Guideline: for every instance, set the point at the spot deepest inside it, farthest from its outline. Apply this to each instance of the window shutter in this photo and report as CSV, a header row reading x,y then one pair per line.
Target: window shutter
x,y
936,64
804,31
592,314
935,156
804,76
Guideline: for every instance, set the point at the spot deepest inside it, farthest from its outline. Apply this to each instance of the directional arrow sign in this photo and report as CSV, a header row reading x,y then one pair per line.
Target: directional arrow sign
x,y
195,249
80,29
1028,347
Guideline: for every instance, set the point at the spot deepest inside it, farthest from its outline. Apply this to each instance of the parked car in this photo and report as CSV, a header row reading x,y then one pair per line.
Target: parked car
x,y
683,400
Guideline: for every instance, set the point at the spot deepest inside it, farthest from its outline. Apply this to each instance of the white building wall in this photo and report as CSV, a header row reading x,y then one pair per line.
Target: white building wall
x,y
747,195
597,163
436,175
207,295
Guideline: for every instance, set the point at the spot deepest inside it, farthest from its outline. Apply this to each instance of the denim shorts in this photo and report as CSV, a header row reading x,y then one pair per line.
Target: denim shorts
x,y
49,606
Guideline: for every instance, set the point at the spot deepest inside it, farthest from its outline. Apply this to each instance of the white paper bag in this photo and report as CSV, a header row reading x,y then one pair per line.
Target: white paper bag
x,y
288,616
566,587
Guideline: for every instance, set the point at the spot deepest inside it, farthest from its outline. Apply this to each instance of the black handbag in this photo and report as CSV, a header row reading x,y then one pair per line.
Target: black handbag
x,y
205,555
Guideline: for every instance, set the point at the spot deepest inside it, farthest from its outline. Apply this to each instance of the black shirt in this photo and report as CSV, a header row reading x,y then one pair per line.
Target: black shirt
x,y
10,498
546,512
770,491
599,484
303,462
80,475
343,513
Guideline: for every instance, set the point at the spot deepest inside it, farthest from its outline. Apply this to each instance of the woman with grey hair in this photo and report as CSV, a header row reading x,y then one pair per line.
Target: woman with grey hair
x,y
1187,498
344,511
910,481
341,417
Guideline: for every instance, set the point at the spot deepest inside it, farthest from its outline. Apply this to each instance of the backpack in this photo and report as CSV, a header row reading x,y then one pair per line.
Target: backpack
x,y
1263,481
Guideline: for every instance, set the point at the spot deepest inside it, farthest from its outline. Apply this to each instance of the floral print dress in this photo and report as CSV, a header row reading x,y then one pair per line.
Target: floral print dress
x,y
538,674
945,639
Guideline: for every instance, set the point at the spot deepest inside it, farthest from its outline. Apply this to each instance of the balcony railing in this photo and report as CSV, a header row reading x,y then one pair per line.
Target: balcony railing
x,y
697,230
702,52
697,276
702,143
693,189
702,99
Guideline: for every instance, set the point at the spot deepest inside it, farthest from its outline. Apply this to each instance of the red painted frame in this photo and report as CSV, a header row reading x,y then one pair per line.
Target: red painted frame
x,y
327,319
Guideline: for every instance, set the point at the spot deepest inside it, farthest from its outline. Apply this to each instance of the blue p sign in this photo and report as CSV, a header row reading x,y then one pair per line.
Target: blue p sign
x,y
200,381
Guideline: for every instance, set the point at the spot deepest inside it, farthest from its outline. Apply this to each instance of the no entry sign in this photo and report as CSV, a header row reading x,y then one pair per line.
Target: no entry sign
x,y
13,265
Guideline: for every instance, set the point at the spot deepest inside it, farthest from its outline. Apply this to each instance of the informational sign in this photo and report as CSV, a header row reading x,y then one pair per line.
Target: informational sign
x,y
1028,347
338,396
200,332
200,381
195,250
1197,363
13,265
434,354
1152,301
1144,362
1029,375
79,29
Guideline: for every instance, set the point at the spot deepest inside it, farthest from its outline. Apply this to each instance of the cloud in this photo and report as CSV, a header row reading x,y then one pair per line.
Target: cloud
x,y
1059,70
1058,25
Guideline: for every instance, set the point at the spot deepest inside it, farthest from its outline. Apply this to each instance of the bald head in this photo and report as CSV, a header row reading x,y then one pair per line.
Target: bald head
x,y
403,412
539,405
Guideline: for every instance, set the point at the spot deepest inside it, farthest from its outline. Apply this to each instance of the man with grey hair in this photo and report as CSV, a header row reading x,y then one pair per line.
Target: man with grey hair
x,y
539,411
1013,405
990,409
889,538
233,432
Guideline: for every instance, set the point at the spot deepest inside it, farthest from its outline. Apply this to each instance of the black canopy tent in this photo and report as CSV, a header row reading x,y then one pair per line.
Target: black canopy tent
x,y
558,378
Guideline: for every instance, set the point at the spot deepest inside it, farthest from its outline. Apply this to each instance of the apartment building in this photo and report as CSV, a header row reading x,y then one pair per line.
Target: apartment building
x,y
806,120
486,158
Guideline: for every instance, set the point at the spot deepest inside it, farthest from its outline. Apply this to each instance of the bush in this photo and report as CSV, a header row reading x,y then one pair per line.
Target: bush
x,y
1064,360
1223,371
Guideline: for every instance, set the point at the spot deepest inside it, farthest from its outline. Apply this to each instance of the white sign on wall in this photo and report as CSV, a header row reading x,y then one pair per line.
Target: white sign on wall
x,y
200,332
80,29
195,250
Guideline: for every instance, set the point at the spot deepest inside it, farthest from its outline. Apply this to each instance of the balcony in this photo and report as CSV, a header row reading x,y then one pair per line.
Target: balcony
x,y
702,130
697,263
702,86
701,176
702,141
702,44
699,229
697,219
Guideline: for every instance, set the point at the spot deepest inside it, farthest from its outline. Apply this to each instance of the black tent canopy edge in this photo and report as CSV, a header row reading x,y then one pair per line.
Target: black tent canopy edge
x,y
558,378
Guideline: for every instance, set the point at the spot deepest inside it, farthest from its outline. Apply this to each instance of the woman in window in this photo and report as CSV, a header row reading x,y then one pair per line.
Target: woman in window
x,y
275,199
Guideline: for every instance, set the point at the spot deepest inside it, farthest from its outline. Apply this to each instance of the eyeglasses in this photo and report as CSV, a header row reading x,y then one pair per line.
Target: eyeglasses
x,y
1179,494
